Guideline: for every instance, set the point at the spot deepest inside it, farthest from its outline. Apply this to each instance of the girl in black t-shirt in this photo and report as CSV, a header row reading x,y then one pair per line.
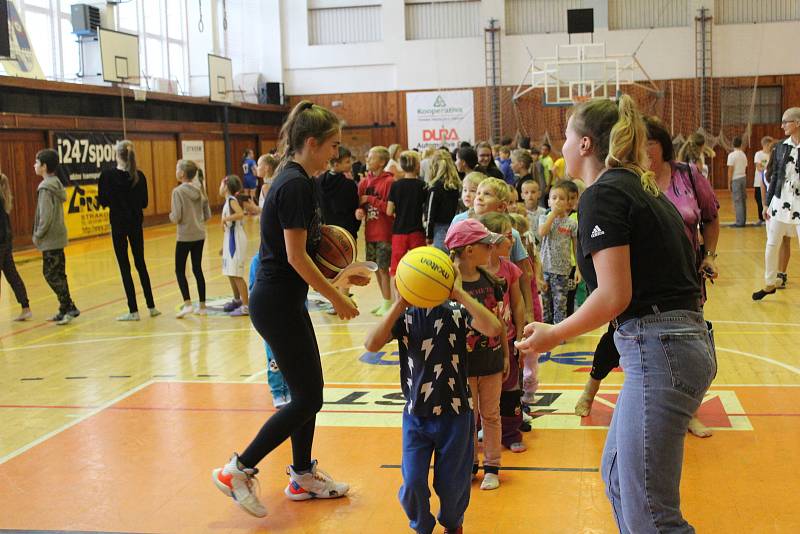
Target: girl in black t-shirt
x,y
634,254
290,232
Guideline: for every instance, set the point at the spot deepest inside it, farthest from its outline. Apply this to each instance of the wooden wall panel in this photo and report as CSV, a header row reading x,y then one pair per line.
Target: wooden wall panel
x,y
165,156
240,143
215,170
17,155
266,145
144,160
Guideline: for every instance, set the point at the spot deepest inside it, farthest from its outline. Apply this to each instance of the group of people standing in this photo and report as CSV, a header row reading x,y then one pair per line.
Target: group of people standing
x,y
636,246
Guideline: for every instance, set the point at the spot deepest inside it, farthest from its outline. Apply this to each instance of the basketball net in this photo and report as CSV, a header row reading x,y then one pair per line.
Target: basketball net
x,y
578,99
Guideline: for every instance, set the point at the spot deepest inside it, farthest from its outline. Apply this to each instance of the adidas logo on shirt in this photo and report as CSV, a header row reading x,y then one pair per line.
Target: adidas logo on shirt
x,y
597,232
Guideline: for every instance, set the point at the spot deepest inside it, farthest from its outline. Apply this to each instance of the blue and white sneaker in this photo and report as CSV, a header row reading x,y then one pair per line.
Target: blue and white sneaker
x,y
316,484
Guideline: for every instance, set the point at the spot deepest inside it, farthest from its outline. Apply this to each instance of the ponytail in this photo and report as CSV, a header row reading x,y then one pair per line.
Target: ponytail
x,y
618,136
304,121
628,145
5,193
126,153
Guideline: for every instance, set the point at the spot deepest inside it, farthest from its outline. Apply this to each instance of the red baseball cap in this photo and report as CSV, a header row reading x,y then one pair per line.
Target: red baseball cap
x,y
469,232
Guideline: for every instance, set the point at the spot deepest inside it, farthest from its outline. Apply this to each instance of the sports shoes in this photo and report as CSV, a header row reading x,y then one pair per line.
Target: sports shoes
x,y
525,427
761,293
133,316
518,447
68,317
316,484
201,311
490,481
154,312
784,278
57,317
241,311
185,310
237,481
232,305
24,316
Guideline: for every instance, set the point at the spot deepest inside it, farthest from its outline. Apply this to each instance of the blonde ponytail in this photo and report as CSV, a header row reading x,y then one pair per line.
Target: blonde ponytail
x,y
627,148
126,153
5,193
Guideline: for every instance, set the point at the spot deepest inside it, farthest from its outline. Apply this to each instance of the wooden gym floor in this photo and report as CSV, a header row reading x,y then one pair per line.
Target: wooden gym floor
x,y
114,427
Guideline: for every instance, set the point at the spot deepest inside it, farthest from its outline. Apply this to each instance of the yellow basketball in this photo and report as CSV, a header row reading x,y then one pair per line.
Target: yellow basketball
x,y
425,277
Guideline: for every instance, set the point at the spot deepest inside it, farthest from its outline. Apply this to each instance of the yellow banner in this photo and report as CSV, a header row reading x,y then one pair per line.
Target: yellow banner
x,y
83,215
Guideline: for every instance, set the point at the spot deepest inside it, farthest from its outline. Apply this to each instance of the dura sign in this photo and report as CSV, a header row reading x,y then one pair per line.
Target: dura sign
x,y
440,118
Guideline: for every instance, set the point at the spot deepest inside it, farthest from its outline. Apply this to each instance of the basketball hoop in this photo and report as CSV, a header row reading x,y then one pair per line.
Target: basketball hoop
x,y
140,95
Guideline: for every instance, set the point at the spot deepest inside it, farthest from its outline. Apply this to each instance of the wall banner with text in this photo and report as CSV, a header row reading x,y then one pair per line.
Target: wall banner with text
x,y
440,118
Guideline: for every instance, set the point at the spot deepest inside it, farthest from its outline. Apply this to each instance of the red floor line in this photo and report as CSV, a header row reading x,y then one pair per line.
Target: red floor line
x,y
92,308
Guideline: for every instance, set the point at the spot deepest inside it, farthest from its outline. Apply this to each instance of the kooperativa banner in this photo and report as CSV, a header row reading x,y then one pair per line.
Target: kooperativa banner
x,y
440,118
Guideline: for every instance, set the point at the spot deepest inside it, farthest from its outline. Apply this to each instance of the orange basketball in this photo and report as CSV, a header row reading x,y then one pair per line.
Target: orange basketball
x,y
337,250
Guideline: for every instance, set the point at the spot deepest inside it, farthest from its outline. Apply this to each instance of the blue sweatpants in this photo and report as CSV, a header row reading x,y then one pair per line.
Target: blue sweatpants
x,y
277,384
448,439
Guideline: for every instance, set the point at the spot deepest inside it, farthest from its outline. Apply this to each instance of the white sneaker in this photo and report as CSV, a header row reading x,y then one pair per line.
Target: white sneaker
x,y
316,484
490,481
133,316
238,483
185,310
154,312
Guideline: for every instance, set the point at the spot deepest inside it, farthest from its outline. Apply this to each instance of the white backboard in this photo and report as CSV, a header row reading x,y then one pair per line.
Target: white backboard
x,y
220,79
119,55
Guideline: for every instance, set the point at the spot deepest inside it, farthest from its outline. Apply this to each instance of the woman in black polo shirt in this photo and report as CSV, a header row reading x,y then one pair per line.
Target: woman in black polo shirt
x,y
635,256
290,234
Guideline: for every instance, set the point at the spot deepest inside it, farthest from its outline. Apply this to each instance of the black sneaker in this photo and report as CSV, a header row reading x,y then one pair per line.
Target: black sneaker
x,y
784,278
525,427
74,312
760,294
57,317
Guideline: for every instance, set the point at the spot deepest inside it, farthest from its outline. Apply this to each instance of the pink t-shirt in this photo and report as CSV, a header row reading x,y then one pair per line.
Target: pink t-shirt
x,y
510,273
694,209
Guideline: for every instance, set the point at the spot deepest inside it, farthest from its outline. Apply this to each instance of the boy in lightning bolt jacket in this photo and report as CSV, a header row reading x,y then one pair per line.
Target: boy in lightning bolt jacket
x,y
438,415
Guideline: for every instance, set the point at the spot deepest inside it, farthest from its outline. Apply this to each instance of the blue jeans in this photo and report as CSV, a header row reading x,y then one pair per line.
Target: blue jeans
x,y
669,362
439,233
277,384
448,438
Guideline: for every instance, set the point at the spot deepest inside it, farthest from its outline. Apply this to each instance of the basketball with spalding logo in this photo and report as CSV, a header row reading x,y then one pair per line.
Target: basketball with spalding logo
x,y
425,277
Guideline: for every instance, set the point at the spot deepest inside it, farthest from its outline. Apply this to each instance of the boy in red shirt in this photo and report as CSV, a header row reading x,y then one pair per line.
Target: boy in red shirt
x,y
373,193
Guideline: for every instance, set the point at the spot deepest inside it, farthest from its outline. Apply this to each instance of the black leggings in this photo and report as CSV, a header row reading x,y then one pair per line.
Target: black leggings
x,y
9,269
182,251
606,356
280,316
120,238
759,203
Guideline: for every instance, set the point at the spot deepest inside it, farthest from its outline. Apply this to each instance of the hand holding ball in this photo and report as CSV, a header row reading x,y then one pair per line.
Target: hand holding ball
x,y
425,277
